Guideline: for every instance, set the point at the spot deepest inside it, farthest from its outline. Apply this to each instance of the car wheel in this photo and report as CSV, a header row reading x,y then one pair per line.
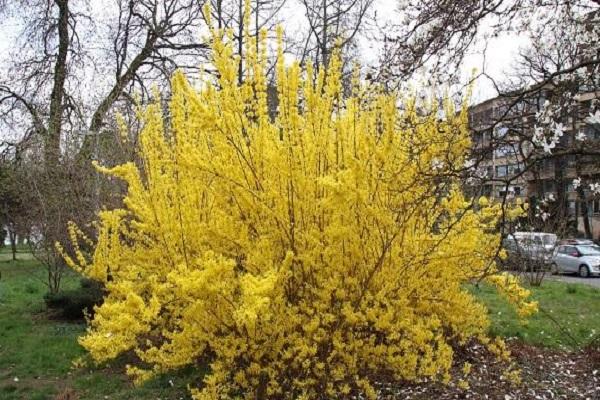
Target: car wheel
x,y
554,269
584,271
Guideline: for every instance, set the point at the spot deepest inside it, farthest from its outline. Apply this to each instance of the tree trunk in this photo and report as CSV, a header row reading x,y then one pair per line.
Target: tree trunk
x,y
12,236
561,195
584,212
241,42
256,24
52,143
324,37
220,14
89,147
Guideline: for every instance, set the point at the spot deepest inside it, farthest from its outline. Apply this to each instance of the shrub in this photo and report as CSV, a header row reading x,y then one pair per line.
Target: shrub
x,y
31,288
593,351
74,304
304,256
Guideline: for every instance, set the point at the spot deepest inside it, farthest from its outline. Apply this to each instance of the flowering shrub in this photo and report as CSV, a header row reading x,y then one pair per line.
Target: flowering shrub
x,y
301,256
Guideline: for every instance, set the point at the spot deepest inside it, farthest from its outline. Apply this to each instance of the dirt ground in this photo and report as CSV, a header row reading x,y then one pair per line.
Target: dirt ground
x,y
545,374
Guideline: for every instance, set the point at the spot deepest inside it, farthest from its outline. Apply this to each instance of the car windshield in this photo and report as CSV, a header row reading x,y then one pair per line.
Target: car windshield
x,y
589,250
549,239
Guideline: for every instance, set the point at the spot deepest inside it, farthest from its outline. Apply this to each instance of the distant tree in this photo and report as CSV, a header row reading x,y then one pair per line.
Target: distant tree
x,y
438,35
14,204
553,90
71,66
563,62
48,83
331,24
245,19
3,234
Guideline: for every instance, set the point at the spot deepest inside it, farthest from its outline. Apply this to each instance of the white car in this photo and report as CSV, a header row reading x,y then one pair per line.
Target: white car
x,y
531,246
582,259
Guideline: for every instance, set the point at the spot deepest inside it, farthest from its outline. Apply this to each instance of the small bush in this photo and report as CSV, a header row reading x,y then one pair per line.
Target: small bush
x,y
31,288
73,304
87,283
593,350
571,289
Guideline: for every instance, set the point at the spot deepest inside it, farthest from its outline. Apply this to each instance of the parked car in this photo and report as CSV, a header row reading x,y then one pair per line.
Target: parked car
x,y
530,246
575,242
582,259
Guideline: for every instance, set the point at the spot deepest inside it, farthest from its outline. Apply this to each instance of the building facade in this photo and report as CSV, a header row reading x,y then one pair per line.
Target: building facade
x,y
514,167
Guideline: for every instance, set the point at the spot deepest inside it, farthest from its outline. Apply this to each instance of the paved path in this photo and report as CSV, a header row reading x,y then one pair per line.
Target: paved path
x,y
594,281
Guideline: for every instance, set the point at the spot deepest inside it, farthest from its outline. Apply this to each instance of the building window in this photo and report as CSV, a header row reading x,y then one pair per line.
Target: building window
x,y
485,137
594,206
501,170
514,169
504,150
517,190
549,187
487,190
592,132
500,132
541,100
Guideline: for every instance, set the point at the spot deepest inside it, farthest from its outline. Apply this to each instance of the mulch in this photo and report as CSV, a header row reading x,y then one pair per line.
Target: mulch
x,y
545,374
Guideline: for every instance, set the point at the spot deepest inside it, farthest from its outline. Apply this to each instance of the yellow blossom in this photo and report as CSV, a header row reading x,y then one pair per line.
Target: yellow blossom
x,y
303,253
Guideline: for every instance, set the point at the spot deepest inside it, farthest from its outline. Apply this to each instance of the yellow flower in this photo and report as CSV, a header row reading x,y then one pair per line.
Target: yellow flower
x,y
303,253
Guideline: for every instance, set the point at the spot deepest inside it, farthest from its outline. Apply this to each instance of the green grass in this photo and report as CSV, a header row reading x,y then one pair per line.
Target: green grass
x,y
39,352
569,315
23,253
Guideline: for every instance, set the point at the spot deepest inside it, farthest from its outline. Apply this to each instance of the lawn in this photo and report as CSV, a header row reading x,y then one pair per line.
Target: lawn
x,y
36,353
569,316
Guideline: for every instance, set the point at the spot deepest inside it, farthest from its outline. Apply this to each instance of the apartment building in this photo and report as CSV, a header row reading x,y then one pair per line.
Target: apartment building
x,y
502,129
497,154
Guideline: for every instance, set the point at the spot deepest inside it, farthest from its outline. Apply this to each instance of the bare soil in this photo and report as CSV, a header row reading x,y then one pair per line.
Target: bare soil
x,y
545,374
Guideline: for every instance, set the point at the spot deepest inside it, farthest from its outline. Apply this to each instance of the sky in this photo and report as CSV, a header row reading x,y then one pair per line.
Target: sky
x,y
500,54
499,58
501,51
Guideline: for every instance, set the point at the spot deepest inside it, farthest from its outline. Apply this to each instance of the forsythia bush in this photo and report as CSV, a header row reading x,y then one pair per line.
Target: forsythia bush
x,y
302,255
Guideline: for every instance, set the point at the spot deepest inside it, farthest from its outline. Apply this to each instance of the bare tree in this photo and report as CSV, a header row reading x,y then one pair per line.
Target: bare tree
x,y
14,203
52,86
439,34
71,66
242,23
332,23
538,123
